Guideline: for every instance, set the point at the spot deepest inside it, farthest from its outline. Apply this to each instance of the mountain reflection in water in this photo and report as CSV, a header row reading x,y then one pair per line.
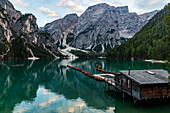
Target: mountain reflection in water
x,y
49,86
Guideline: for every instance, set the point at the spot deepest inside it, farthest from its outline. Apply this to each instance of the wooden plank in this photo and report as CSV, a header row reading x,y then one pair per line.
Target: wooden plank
x,y
155,91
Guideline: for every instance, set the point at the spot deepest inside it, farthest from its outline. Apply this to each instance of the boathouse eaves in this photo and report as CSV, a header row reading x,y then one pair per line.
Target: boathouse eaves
x,y
148,76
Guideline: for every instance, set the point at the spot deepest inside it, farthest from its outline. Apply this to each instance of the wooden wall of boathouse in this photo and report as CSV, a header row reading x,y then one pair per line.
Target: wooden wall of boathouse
x,y
135,90
126,85
155,91
141,91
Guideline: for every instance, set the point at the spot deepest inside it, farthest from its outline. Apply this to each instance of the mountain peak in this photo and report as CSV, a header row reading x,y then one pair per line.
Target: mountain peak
x,y
105,6
71,15
122,9
101,5
7,3
9,8
100,28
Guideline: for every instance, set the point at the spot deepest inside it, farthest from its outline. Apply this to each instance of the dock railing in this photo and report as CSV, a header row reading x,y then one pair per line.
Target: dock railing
x,y
110,81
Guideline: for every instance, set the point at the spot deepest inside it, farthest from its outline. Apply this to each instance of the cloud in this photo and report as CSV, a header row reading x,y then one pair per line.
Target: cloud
x,y
47,21
71,6
42,22
21,3
74,7
149,5
153,2
85,1
21,110
71,110
51,100
49,12
61,2
80,6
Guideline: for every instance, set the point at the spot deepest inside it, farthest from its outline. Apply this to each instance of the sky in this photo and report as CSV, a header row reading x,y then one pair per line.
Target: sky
x,y
49,10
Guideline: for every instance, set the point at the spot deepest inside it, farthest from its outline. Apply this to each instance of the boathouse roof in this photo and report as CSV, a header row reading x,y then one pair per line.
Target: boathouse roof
x,y
148,76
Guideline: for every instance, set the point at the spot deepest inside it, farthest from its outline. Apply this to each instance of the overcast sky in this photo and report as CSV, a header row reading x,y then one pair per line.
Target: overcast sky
x,y
49,10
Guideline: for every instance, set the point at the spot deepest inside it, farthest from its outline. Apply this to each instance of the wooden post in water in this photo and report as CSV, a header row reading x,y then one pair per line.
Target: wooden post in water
x,y
108,87
123,95
134,102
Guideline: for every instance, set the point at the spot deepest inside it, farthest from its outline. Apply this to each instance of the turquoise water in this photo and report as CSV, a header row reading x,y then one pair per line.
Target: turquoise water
x,y
44,86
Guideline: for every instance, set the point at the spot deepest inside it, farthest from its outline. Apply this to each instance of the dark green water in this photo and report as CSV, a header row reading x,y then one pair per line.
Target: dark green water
x,y
50,87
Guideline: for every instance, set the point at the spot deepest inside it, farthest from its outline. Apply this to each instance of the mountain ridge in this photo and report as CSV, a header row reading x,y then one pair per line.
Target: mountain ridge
x,y
19,33
151,42
102,27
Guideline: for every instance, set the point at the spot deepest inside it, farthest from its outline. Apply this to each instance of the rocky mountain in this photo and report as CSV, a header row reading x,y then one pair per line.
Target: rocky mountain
x,y
13,14
19,35
26,25
100,28
151,42
59,29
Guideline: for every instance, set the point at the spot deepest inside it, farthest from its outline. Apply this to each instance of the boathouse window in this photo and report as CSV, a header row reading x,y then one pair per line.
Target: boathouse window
x,y
123,81
129,83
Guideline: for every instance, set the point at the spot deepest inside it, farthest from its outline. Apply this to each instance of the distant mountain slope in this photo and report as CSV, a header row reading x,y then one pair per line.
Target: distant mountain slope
x,y
60,28
100,28
152,41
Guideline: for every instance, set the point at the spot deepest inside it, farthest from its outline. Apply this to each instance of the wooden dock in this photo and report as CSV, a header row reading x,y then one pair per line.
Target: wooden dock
x,y
144,84
139,84
110,80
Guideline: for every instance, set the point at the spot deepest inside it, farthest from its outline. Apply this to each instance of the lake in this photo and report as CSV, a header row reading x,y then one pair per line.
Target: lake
x,y
46,86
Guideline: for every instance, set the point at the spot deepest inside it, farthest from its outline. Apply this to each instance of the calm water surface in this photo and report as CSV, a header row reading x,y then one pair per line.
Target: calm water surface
x,y
50,87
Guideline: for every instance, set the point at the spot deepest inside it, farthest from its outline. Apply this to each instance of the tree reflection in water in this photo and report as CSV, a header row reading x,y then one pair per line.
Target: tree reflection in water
x,y
46,86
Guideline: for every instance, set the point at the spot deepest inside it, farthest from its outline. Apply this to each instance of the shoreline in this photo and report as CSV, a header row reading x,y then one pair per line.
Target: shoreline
x,y
155,61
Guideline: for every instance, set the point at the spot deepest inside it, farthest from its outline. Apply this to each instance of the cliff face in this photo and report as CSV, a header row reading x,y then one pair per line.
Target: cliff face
x,y
96,29
59,29
151,42
5,28
14,23
100,28
13,14
18,33
26,25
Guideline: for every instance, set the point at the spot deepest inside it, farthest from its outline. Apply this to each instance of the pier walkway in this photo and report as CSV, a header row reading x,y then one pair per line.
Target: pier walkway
x,y
139,84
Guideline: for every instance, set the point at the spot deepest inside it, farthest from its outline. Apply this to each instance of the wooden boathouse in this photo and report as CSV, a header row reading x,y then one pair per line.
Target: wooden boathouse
x,y
139,84
143,84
